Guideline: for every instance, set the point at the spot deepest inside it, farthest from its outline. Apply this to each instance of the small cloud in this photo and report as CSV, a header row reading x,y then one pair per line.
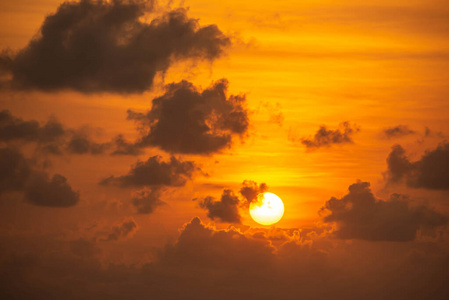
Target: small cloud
x,y
327,137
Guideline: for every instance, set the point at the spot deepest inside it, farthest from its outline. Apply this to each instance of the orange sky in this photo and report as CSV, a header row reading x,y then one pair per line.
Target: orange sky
x,y
301,64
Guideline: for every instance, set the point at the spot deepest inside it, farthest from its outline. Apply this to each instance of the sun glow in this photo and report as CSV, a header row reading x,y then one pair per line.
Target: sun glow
x,y
267,209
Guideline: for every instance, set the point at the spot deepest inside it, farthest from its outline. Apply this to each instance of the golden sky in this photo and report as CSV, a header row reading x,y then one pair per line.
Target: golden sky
x,y
321,95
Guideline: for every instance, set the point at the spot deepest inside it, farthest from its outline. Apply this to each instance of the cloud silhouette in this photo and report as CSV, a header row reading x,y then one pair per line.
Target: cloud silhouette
x,y
225,210
359,215
54,192
397,131
327,137
147,200
125,229
13,128
155,172
250,190
429,172
104,46
14,170
186,120
19,174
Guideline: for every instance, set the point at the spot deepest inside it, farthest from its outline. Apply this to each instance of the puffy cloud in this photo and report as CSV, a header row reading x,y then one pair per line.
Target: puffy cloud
x,y
147,200
359,215
250,190
397,131
226,209
327,137
203,246
186,120
155,172
53,138
97,46
54,192
19,174
13,128
429,172
125,229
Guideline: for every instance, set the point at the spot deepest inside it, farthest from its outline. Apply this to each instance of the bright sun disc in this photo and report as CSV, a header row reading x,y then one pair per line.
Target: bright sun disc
x,y
267,209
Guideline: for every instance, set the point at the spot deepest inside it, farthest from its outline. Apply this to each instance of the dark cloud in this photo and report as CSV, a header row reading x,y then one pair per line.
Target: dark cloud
x,y
397,131
53,138
97,46
359,215
429,172
326,137
54,192
125,229
12,128
186,120
19,174
225,210
81,143
147,200
209,263
155,172
14,170
123,147
250,190
203,246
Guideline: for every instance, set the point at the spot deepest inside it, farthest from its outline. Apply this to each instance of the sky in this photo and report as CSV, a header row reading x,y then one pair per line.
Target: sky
x,y
135,134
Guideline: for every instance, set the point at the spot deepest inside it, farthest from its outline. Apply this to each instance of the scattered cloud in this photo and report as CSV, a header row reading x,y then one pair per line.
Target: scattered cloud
x,y
327,137
19,174
147,200
226,209
429,172
125,229
250,190
54,192
186,120
397,131
155,172
359,215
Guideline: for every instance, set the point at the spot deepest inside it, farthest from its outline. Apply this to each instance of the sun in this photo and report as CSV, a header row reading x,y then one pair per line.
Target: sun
x,y
267,209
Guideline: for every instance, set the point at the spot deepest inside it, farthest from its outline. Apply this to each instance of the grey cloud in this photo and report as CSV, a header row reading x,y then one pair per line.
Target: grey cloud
x,y
19,174
104,46
147,200
155,172
359,215
225,210
327,137
186,120
397,131
125,229
54,138
250,190
13,128
429,172
54,192
14,170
